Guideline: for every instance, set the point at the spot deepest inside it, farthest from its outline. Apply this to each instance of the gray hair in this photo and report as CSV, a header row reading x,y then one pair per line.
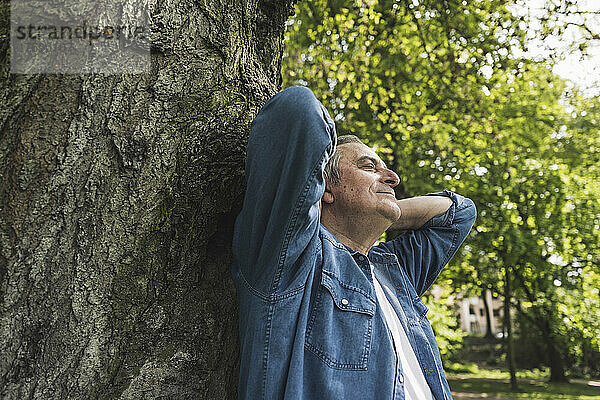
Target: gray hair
x,y
332,169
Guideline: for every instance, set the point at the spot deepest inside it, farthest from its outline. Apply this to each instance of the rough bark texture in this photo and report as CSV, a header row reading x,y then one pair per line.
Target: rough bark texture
x,y
117,198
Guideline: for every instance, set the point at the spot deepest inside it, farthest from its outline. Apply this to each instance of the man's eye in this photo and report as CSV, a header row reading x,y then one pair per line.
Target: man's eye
x,y
370,166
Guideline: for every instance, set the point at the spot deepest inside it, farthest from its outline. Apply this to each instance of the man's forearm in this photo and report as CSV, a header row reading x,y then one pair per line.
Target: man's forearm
x,y
418,210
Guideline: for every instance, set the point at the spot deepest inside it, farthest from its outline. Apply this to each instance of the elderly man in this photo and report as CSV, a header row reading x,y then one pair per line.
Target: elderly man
x,y
325,314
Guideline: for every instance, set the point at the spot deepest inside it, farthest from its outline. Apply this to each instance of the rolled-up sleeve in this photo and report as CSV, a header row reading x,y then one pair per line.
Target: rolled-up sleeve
x,y
424,252
291,139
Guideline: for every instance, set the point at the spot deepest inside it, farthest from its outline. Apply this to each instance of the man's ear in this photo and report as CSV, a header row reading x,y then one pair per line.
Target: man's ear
x,y
327,196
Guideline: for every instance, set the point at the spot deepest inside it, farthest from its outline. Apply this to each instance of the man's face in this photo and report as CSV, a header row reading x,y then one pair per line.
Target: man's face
x,y
366,187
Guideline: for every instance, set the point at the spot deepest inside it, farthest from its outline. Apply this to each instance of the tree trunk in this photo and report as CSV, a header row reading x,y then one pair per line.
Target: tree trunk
x,y
510,354
544,321
117,198
488,318
557,366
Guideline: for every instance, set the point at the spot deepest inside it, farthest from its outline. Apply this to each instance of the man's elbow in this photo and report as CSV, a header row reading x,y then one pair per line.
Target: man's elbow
x,y
467,212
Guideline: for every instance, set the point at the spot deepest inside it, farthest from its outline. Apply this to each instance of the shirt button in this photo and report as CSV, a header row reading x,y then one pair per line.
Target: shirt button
x,y
345,302
399,287
400,378
361,258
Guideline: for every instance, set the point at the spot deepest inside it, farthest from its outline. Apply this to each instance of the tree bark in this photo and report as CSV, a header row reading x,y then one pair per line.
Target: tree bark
x,y
488,319
117,199
557,366
510,353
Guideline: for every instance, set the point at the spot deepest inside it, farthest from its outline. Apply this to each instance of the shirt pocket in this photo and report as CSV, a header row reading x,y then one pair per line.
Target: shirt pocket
x,y
340,325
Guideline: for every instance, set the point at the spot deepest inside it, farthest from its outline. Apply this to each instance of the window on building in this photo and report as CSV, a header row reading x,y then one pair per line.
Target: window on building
x,y
497,312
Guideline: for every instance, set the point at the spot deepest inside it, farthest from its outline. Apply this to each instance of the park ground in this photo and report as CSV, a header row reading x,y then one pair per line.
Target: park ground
x,y
469,381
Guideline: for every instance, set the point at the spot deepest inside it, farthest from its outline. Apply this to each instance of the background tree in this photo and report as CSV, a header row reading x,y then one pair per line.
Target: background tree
x,y
114,236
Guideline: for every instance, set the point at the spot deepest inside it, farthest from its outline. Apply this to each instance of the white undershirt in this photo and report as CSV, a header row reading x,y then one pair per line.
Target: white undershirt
x,y
415,385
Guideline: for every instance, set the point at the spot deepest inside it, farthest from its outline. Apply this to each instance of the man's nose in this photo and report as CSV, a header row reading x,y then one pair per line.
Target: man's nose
x,y
390,177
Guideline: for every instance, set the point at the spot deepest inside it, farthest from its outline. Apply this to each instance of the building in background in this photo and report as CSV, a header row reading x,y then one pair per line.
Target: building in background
x,y
472,314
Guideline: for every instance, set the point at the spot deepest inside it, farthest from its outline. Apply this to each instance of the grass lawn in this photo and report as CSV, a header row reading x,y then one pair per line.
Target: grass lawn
x,y
468,381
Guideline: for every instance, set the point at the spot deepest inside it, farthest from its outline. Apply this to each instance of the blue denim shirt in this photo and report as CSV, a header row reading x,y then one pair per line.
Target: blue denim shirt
x,y
310,324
